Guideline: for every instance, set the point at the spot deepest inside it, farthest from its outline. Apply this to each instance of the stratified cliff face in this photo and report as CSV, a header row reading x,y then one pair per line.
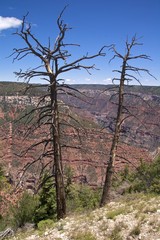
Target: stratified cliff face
x,y
86,153
85,150
142,105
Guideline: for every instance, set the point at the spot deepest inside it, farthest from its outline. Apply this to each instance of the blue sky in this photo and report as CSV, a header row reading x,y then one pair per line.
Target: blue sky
x,y
94,23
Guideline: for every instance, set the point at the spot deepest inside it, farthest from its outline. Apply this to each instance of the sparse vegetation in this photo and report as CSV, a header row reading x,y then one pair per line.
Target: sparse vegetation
x,y
95,224
146,178
23,212
112,214
86,235
135,231
115,234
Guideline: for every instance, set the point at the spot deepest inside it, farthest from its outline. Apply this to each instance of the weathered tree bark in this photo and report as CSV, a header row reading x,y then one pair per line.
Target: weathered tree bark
x,y
111,162
58,168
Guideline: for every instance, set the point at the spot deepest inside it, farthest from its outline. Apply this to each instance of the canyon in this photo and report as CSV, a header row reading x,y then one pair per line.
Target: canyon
x,y
86,147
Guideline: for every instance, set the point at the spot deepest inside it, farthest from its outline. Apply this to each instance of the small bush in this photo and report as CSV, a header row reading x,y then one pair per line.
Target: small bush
x,y
44,224
4,185
147,177
46,209
3,223
23,211
82,197
83,236
112,214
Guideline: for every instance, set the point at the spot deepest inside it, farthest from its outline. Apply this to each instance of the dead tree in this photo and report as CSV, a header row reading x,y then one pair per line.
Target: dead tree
x,y
54,62
127,73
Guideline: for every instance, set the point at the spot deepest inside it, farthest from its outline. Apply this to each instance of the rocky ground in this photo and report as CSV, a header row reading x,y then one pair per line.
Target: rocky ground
x,y
131,217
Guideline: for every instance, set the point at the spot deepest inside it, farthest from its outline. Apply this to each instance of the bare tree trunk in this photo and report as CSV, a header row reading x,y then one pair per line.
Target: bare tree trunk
x,y
57,164
111,163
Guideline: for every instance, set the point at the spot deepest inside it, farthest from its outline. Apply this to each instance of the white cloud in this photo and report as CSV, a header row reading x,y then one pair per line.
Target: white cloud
x,y
87,79
108,81
69,81
9,22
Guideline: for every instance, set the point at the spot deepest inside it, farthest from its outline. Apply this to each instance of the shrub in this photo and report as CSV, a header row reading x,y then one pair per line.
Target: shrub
x,y
23,211
83,236
114,213
68,175
44,224
3,223
46,209
82,197
2,178
146,178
